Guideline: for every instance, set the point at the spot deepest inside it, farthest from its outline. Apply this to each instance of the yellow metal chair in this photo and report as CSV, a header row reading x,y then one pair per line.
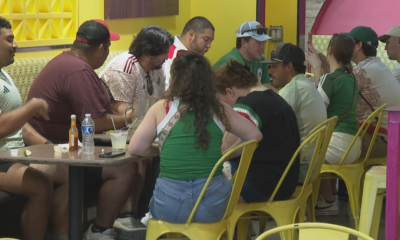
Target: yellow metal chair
x,y
317,231
284,211
330,125
352,174
372,200
210,231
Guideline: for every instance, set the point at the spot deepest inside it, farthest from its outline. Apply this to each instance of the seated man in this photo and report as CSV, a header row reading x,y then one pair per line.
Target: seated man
x,y
287,73
16,133
18,178
71,86
392,47
137,75
250,45
197,36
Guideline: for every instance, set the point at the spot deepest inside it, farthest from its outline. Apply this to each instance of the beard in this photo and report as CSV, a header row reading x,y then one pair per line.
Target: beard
x,y
195,48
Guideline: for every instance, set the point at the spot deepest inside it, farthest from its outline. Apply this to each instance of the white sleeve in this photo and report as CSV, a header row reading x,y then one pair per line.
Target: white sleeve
x,y
167,74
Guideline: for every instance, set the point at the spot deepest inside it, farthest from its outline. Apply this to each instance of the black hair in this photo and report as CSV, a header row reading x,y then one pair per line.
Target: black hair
x,y
239,41
4,23
197,25
151,40
368,50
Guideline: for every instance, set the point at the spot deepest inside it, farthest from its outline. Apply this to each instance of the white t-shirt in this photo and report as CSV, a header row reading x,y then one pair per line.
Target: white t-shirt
x,y
378,85
126,79
173,50
10,99
396,72
310,110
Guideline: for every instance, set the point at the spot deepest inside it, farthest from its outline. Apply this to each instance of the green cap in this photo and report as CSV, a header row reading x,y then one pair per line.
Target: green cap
x,y
364,34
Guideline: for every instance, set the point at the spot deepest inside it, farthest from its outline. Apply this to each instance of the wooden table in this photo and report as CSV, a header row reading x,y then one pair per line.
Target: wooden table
x,y
392,175
44,154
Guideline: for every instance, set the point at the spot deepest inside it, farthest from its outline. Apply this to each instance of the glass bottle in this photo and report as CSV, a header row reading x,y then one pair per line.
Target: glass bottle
x,y
73,135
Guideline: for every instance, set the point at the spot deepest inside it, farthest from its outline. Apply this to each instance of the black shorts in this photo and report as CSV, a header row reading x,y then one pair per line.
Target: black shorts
x,y
4,166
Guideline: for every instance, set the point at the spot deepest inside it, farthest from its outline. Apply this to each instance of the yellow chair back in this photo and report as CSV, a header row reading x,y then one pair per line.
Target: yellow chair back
x,y
317,231
283,211
194,230
377,114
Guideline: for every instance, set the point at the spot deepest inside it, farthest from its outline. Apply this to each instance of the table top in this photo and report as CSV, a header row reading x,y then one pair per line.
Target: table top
x,y
45,154
393,109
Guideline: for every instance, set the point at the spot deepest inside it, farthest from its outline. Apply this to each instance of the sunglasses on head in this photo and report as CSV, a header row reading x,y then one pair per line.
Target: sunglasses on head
x,y
260,31
243,71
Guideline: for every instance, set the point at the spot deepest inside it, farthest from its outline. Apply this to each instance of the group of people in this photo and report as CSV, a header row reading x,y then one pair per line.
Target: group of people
x,y
201,112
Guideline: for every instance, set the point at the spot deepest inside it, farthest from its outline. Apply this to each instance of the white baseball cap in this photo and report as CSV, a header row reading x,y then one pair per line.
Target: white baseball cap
x,y
253,29
393,32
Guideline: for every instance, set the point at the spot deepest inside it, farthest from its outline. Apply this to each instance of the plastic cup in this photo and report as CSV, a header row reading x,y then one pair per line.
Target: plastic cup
x,y
118,140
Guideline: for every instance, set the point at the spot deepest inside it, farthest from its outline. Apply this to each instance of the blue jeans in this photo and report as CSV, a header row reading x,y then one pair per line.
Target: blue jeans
x,y
173,200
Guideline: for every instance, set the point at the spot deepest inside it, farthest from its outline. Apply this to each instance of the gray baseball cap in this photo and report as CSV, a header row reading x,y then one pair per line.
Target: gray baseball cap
x,y
253,29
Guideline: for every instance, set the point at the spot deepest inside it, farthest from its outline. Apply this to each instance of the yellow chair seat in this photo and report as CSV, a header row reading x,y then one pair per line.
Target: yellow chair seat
x,y
317,231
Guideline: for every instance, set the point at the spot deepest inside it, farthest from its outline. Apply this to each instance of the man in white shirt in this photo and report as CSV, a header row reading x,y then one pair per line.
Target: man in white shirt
x,y
287,74
197,36
392,40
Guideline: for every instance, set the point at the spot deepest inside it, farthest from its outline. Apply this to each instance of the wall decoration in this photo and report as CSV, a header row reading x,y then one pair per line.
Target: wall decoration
x,y
115,9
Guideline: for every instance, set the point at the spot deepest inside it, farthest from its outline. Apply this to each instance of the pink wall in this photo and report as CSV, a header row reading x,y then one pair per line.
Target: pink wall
x,y
343,15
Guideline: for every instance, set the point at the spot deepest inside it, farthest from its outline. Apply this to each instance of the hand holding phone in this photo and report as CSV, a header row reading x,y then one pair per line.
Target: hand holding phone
x,y
112,154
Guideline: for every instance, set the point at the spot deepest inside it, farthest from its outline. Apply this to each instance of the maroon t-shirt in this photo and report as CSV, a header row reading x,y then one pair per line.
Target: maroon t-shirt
x,y
70,86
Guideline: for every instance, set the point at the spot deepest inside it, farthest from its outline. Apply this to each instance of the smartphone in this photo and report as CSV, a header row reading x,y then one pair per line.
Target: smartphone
x,y
112,154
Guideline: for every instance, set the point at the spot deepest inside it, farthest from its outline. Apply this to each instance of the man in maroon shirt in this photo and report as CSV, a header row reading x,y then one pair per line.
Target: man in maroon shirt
x,y
70,85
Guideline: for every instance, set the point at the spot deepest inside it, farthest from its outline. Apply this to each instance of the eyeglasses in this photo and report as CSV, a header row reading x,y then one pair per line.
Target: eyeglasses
x,y
149,82
280,57
243,71
259,31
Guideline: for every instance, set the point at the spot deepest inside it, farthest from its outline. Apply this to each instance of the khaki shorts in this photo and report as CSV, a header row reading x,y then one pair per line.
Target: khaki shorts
x,y
338,146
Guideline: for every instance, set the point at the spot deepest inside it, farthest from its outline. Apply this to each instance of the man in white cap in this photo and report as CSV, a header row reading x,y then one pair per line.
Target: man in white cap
x,y
392,40
250,45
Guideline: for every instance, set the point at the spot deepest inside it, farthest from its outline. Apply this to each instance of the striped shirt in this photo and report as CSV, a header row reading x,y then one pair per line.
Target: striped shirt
x,y
126,79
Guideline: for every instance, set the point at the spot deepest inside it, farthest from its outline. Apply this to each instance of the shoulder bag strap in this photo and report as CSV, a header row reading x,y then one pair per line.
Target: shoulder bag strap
x,y
352,101
170,124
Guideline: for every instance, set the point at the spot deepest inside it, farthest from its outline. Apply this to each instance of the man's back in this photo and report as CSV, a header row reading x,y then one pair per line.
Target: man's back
x,y
377,85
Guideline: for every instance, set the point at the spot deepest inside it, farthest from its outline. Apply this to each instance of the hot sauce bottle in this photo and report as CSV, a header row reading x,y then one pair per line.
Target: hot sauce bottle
x,y
73,135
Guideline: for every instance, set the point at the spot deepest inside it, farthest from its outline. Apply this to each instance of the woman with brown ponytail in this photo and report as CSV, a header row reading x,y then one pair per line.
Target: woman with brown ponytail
x,y
339,90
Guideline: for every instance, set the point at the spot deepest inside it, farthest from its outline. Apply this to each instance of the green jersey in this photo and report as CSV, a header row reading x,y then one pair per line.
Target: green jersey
x,y
258,68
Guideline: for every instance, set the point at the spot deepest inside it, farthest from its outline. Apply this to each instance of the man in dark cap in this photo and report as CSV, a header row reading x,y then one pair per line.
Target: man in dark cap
x,y
70,85
287,74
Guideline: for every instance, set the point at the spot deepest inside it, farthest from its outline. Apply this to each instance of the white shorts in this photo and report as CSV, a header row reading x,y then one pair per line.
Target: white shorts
x,y
338,146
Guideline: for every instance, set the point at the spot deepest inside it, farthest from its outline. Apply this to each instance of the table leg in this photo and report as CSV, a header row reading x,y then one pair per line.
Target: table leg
x,y
392,178
75,202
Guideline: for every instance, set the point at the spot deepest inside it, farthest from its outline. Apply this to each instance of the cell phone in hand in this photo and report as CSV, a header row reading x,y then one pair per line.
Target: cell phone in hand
x,y
112,154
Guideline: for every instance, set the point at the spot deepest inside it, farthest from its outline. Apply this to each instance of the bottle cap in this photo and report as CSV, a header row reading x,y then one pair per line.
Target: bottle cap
x,y
88,115
73,117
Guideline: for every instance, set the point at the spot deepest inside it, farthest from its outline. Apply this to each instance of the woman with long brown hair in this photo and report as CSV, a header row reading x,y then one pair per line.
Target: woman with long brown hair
x,y
190,122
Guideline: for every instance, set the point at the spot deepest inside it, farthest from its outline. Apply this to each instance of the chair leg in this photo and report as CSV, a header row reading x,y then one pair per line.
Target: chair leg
x,y
368,206
243,227
377,216
310,209
353,190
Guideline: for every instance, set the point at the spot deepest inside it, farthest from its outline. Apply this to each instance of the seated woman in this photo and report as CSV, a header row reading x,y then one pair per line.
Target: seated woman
x,y
190,122
264,108
339,90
